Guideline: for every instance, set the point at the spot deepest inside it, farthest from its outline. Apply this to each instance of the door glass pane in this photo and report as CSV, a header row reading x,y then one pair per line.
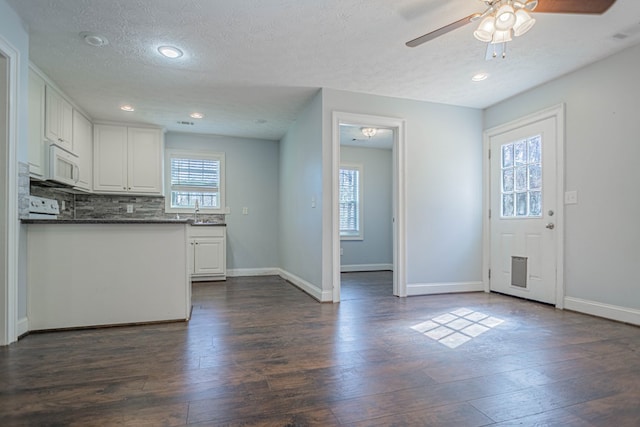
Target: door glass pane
x,y
507,155
521,164
520,152
521,178
535,177
535,203
507,180
507,205
521,204
535,152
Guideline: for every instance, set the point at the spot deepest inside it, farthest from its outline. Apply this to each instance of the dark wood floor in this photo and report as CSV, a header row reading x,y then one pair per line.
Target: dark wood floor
x,y
260,352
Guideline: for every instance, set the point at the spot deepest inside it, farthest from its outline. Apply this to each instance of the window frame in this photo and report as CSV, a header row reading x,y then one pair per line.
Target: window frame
x,y
194,154
360,202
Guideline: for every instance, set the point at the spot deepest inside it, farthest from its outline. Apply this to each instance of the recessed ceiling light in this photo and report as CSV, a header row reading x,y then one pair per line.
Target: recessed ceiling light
x,y
127,107
92,39
196,115
480,77
170,52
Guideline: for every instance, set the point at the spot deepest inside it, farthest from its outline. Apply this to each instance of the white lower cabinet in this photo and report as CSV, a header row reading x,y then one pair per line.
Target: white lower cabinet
x,y
207,252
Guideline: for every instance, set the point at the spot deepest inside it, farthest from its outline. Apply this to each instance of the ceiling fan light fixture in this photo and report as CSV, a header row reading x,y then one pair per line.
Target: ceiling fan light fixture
x,y
524,22
485,30
501,37
369,132
505,18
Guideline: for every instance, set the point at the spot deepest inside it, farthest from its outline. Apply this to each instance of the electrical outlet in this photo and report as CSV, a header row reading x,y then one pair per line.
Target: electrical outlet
x,y
64,205
341,251
129,208
245,211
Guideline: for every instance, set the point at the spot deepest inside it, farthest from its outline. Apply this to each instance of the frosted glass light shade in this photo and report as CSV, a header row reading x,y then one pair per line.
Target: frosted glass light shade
x,y
501,37
524,22
485,30
505,18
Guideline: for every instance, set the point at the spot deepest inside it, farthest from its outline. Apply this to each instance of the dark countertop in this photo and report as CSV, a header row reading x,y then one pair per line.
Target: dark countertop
x,y
119,221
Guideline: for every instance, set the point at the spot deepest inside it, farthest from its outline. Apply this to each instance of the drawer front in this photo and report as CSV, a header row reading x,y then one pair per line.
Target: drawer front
x,y
206,231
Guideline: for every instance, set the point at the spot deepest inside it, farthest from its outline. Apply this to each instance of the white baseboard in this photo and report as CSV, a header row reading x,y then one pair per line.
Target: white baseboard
x,y
307,287
23,326
242,272
365,267
594,308
414,289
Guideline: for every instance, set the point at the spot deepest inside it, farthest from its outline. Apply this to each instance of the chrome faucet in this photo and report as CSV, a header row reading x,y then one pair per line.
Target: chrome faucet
x,y
195,214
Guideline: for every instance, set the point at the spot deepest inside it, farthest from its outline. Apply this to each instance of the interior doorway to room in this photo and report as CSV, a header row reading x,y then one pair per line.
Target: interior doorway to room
x,y
366,209
368,199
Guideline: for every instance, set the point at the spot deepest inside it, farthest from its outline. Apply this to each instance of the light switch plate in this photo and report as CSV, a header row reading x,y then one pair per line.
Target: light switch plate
x,y
571,197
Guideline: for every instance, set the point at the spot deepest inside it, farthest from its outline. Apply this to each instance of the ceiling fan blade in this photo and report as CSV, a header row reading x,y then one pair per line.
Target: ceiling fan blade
x,y
441,31
574,6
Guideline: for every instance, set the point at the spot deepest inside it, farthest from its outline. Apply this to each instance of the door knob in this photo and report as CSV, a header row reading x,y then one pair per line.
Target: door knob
x,y
550,226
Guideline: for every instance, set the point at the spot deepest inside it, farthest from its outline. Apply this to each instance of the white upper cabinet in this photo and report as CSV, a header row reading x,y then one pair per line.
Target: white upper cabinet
x,y
37,157
58,120
83,148
127,160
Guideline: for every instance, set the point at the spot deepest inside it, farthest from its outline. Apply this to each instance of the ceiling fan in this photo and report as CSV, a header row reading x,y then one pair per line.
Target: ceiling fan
x,y
504,18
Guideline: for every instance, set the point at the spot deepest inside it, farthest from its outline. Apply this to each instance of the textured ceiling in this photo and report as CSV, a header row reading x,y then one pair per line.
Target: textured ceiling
x,y
251,65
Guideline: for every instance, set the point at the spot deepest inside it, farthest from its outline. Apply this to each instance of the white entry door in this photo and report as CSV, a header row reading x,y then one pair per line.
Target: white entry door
x,y
523,228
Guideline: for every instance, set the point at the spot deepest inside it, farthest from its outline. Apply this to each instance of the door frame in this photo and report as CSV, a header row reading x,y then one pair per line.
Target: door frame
x,y
398,190
9,217
558,113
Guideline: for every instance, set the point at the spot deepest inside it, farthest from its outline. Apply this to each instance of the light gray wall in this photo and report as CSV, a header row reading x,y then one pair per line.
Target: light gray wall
x,y
443,183
377,204
602,235
251,179
12,31
300,182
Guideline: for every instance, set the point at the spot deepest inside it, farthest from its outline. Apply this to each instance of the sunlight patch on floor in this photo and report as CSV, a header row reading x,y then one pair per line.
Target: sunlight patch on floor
x,y
457,327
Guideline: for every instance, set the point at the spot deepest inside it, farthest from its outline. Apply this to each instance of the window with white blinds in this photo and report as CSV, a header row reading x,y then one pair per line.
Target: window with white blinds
x,y
194,177
350,201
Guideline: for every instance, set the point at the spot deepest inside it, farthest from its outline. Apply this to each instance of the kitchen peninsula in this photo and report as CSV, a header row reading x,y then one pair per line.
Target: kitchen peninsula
x,y
84,273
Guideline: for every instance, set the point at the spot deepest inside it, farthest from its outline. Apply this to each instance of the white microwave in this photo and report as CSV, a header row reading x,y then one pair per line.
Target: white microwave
x,y
63,166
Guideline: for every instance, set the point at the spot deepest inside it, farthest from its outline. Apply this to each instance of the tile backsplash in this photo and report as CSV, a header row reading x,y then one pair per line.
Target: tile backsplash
x,y
103,206
23,190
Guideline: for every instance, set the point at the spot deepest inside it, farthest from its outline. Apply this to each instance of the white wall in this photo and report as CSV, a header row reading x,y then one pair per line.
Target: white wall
x,y
13,33
376,249
301,171
602,235
251,179
443,187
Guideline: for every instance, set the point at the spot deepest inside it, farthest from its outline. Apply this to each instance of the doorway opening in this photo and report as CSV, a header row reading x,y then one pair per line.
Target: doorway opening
x,y
365,197
368,220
